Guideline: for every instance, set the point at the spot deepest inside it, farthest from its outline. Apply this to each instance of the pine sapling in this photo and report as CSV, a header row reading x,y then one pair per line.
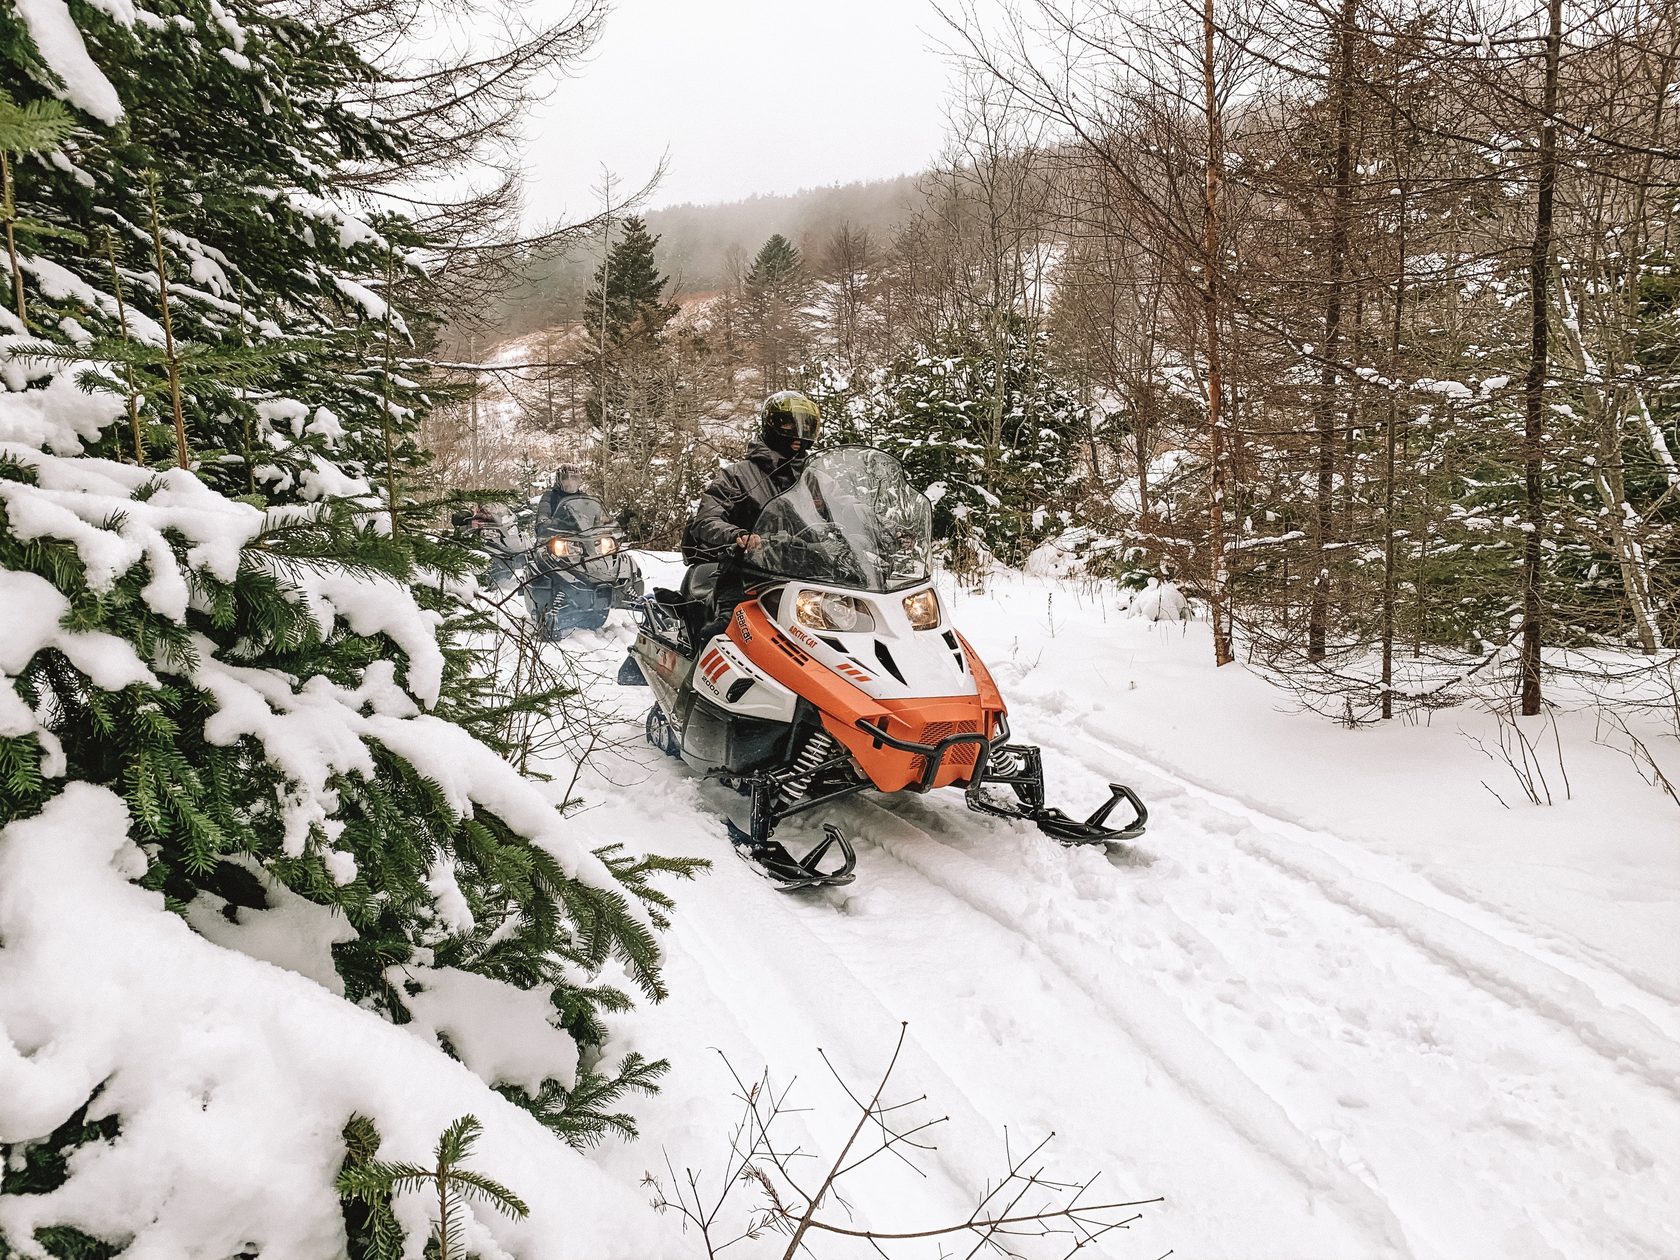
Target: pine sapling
x,y
372,1182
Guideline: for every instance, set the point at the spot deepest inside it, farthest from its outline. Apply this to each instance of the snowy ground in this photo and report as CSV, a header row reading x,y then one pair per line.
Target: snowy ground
x,y
1337,1003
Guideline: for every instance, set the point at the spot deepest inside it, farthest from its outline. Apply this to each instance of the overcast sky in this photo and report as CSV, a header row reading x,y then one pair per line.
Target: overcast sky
x,y
748,96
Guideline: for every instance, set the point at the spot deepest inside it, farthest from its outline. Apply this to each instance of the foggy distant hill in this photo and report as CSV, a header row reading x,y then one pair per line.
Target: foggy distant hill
x,y
696,241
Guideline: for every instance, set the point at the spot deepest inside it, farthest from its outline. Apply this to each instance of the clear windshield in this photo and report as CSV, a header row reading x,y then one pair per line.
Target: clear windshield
x,y
577,514
850,520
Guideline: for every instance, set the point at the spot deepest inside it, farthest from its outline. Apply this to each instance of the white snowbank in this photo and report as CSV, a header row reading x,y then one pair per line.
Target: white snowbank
x,y
233,1078
60,45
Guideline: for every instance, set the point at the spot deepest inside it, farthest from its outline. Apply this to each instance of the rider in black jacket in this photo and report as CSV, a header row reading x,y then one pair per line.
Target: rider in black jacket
x,y
729,507
721,530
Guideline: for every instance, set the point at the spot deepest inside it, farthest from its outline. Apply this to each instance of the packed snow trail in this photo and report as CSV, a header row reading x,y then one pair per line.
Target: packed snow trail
x,y
1308,1047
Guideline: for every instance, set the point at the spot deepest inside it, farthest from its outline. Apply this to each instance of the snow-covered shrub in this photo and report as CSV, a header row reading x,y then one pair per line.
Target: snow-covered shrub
x,y
1159,601
1084,552
981,424
239,673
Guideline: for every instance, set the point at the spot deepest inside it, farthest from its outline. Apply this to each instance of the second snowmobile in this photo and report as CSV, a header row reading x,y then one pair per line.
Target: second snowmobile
x,y
839,673
579,570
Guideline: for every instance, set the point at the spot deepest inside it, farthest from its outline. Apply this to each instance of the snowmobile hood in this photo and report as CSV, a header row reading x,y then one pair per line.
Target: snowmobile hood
x,y
844,704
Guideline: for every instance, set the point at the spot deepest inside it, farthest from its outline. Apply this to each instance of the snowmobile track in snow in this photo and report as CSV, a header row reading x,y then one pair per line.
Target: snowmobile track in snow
x,y
1205,1055
1498,956
1132,1006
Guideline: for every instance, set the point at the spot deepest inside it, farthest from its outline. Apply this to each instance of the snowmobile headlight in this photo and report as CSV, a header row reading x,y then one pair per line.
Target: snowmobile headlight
x,y
559,547
821,610
923,609
606,545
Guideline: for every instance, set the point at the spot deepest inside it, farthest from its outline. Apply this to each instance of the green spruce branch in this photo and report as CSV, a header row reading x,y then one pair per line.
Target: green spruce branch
x,y
37,127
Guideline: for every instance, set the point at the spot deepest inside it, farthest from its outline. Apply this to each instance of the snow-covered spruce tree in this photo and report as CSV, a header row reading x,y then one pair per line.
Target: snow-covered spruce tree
x,y
634,406
992,439
775,295
232,628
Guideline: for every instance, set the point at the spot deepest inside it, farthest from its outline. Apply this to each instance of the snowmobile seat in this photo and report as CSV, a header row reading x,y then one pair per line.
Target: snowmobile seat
x,y
693,601
699,583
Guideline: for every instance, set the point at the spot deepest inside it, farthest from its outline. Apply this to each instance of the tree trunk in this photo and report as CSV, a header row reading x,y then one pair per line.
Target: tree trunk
x,y
1540,266
1218,595
9,207
1391,428
1341,211
1604,407
171,360
472,415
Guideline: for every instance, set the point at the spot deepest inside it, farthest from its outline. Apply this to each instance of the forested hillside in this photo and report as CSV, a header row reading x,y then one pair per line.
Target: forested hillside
x,y
706,248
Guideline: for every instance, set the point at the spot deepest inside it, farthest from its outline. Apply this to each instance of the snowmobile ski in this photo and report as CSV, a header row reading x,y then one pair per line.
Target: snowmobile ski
x,y
773,862
1020,768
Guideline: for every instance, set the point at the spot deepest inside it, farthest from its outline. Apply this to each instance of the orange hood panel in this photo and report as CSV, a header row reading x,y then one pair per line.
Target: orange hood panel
x,y
921,720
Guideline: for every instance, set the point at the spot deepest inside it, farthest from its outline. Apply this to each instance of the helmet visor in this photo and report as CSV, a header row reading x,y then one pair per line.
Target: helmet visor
x,y
796,426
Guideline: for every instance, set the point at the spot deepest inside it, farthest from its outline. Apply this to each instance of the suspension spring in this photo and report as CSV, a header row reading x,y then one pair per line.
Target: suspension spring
x,y
1005,763
820,747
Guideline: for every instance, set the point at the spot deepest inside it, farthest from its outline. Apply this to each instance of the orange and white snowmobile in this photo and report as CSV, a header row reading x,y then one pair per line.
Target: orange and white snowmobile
x,y
839,673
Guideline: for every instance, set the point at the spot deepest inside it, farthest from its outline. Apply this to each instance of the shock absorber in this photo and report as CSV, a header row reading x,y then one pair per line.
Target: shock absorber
x,y
818,748
1005,762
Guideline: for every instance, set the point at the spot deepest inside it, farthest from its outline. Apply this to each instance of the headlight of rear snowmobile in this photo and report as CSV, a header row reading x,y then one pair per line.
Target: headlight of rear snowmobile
x,y
923,609
823,611
559,548
606,545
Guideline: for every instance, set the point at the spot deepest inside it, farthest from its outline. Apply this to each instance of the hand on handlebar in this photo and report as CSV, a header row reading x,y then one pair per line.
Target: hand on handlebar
x,y
749,542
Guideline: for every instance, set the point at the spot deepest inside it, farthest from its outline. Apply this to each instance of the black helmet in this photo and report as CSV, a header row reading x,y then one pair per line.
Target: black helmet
x,y
790,424
566,479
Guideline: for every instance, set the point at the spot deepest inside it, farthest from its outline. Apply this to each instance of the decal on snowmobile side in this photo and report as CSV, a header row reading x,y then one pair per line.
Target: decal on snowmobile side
x,y
731,682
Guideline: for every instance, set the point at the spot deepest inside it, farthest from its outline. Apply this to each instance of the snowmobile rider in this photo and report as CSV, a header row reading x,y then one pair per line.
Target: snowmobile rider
x,y
567,507
721,531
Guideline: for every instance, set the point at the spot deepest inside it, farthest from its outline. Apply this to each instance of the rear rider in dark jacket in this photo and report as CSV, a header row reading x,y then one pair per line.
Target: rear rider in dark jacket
x,y
567,508
721,531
